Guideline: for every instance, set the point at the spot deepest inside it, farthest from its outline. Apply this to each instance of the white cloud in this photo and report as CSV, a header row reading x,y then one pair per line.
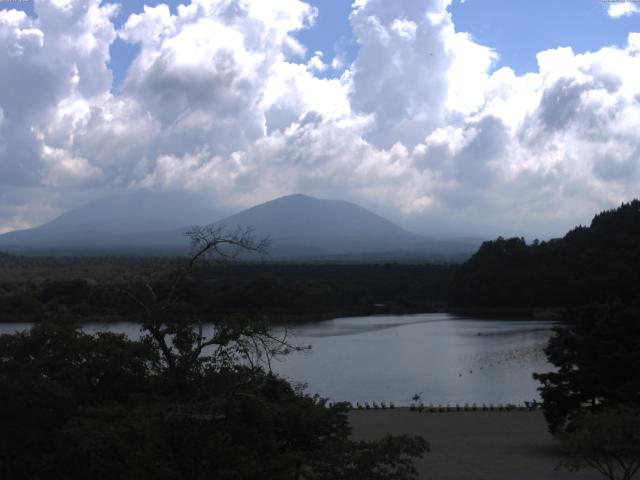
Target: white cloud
x,y
405,29
400,74
316,64
622,9
223,99
203,73
338,62
63,169
45,61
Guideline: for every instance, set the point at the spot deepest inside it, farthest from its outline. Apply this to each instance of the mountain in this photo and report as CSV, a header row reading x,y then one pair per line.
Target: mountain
x,y
302,226
299,227
137,219
595,263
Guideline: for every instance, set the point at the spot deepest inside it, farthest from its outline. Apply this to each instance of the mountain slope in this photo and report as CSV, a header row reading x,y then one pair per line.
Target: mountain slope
x,y
137,219
298,225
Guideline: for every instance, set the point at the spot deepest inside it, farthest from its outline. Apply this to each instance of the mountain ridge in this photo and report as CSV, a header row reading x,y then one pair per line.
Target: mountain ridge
x,y
133,218
299,226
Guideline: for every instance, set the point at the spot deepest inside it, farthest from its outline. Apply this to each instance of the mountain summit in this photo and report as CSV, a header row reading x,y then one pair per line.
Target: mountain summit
x,y
299,227
299,224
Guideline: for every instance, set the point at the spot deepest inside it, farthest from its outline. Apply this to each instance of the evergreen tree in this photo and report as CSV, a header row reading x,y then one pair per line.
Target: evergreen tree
x,y
597,362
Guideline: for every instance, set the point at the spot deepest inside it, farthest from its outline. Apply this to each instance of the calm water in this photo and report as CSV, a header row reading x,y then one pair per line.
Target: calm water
x,y
390,358
447,359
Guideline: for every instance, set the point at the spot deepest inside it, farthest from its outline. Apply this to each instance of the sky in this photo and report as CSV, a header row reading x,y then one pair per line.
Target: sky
x,y
476,117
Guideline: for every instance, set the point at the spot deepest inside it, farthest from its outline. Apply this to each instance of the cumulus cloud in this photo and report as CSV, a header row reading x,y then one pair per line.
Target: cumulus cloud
x,y
222,99
45,62
622,9
400,74
64,170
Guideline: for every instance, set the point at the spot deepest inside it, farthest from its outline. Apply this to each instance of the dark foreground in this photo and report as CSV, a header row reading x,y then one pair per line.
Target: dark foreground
x,y
474,445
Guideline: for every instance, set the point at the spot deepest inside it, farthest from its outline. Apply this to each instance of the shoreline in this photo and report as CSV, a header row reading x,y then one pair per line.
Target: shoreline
x,y
473,445
288,319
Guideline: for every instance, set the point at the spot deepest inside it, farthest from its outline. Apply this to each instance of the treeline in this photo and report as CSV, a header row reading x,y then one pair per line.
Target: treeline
x,y
277,292
595,264
589,265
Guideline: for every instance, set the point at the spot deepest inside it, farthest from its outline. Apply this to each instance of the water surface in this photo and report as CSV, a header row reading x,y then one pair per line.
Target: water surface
x,y
444,358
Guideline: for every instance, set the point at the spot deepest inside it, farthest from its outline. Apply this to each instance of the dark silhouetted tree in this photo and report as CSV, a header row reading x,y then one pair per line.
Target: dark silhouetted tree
x,y
607,441
597,360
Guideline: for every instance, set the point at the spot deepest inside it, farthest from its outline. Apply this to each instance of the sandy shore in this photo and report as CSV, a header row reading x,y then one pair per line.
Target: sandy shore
x,y
474,445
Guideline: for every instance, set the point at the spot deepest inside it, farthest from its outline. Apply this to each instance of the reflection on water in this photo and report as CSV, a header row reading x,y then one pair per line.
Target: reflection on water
x,y
390,358
447,359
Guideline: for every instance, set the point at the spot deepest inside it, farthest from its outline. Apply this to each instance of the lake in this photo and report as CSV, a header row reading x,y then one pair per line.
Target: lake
x,y
446,359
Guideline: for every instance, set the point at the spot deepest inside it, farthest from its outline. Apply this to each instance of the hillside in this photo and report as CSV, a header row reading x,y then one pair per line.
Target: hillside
x,y
300,226
591,264
138,219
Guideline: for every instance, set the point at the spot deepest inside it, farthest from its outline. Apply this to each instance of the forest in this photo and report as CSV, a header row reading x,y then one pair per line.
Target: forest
x,y
95,288
75,405
598,263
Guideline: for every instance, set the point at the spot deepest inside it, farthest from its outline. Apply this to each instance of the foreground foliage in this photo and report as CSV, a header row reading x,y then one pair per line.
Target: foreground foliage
x,y
607,441
183,402
592,400
76,406
597,362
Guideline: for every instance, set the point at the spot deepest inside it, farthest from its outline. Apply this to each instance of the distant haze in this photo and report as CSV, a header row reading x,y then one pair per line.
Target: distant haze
x,y
298,226
140,218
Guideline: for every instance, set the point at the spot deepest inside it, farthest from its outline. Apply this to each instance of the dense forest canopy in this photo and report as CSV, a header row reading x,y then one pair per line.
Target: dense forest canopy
x,y
279,292
597,263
